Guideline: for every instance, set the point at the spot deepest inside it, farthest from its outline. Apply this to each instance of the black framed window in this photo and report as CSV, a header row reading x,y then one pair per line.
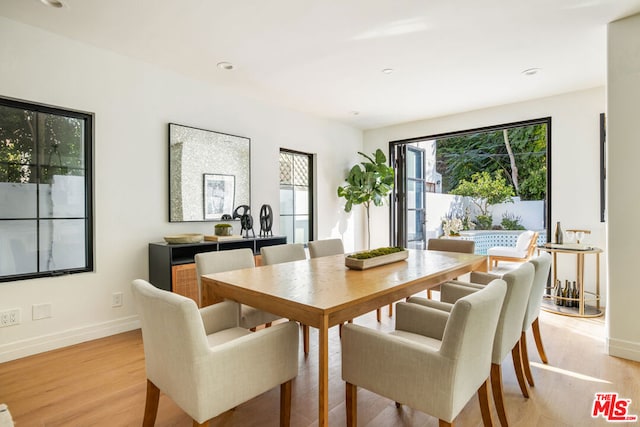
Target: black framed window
x,y
296,196
46,209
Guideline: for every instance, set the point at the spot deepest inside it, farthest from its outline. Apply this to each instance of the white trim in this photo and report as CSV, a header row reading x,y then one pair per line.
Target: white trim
x,y
621,348
19,349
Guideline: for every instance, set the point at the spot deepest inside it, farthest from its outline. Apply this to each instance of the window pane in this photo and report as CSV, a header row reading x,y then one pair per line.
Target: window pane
x,y
62,244
286,227
18,247
63,198
17,142
302,229
17,200
301,170
286,200
286,168
302,200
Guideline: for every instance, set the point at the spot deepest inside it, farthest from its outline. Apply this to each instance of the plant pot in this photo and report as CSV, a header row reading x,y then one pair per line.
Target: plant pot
x,y
363,264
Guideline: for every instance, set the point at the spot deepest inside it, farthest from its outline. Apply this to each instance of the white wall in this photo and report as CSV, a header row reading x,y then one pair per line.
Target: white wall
x,y
575,160
133,102
623,137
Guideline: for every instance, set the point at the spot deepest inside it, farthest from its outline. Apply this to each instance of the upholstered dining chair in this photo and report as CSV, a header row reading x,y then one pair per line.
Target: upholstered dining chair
x,y
234,259
204,361
450,245
325,247
521,252
434,361
542,266
277,254
509,330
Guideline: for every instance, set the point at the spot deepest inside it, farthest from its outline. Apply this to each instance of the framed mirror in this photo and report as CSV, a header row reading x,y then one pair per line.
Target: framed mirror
x,y
209,173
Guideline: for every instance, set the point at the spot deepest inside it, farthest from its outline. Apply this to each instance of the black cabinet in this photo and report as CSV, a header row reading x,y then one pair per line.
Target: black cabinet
x,y
172,266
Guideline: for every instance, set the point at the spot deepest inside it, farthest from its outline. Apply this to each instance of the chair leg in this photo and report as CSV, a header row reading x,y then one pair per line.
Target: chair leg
x,y
517,364
267,325
483,397
351,402
305,339
429,293
525,358
285,404
151,405
443,423
496,388
197,424
379,315
390,310
535,327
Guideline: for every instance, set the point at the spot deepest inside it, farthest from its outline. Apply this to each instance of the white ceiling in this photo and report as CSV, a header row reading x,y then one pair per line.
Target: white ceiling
x,y
326,57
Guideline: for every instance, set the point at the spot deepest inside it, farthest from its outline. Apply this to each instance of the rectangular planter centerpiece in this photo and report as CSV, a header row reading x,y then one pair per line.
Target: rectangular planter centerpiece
x,y
363,264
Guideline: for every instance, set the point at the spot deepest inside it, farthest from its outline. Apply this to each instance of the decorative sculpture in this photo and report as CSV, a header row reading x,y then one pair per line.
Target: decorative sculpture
x,y
266,221
246,220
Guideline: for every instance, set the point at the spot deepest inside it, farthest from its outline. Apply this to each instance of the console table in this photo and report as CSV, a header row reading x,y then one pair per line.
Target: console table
x,y
583,309
172,266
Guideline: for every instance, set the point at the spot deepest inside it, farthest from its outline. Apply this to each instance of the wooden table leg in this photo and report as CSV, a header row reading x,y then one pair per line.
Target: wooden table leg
x,y
323,373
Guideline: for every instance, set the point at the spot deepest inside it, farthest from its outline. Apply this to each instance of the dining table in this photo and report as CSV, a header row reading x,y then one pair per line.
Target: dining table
x,y
323,292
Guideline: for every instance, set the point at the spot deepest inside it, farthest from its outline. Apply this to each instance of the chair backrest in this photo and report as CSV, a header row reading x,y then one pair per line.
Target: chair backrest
x,y
326,247
468,339
452,245
542,267
282,253
173,334
219,261
524,240
519,282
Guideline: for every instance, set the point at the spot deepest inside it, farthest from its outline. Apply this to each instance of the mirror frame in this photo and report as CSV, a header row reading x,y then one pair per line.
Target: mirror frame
x,y
224,156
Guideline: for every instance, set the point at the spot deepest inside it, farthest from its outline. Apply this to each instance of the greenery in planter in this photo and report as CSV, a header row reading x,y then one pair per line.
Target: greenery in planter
x,y
377,252
511,222
223,229
369,181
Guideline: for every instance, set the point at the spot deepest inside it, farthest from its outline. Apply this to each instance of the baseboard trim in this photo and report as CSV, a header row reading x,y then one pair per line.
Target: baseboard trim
x,y
624,349
29,347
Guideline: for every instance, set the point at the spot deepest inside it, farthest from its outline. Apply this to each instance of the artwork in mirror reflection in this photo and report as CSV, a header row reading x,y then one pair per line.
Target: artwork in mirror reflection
x,y
209,173
219,191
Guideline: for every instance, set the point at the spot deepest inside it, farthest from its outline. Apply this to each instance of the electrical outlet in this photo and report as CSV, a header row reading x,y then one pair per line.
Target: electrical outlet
x,y
116,299
9,317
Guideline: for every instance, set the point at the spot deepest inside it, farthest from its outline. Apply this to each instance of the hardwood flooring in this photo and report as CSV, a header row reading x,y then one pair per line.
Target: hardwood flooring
x,y
102,383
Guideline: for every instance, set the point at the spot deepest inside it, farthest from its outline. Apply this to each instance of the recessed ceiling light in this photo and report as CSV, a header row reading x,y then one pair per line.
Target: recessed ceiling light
x,y
225,65
52,3
531,71
388,70
355,113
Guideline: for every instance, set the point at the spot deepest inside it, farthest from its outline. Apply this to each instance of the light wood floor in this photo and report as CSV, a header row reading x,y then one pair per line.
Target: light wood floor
x,y
102,383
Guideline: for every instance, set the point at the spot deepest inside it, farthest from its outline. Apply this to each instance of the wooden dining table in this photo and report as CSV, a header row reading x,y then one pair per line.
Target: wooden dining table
x,y
322,292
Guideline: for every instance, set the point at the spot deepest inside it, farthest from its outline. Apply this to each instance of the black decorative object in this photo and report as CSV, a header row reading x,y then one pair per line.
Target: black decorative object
x,y
266,221
246,220
226,217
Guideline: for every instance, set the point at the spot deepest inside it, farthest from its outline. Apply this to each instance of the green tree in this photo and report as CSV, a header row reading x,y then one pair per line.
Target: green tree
x,y
484,191
459,157
367,182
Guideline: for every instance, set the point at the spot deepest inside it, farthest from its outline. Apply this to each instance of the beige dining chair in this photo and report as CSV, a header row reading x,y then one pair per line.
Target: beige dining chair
x,y
278,254
325,247
434,361
234,259
449,245
205,362
509,330
542,266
